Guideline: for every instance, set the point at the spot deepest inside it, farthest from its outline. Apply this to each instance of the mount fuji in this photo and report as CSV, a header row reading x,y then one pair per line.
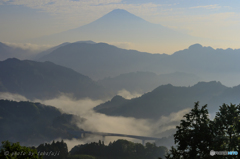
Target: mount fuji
x,y
121,26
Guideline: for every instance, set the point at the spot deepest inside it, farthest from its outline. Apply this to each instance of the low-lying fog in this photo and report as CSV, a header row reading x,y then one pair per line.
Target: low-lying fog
x,y
111,124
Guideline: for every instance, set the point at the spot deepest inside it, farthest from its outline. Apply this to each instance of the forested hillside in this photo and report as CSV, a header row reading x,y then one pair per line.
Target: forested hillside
x,y
45,80
32,123
166,99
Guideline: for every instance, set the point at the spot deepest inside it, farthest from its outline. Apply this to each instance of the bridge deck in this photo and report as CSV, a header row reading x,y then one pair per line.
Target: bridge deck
x,y
113,134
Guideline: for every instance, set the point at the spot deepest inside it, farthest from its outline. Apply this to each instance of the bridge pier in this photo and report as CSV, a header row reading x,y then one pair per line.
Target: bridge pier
x,y
82,135
103,138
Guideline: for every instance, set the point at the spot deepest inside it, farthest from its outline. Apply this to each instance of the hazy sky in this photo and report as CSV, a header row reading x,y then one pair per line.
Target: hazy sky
x,y
213,19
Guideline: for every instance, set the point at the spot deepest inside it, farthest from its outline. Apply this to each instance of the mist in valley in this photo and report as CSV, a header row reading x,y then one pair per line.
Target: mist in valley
x,y
98,122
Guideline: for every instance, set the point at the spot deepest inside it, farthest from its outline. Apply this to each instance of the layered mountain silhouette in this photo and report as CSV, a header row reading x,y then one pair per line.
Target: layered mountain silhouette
x,y
142,82
121,26
48,51
45,80
166,99
101,60
34,123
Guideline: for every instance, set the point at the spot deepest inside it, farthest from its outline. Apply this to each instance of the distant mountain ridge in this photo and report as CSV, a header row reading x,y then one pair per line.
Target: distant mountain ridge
x,y
167,99
142,82
45,80
48,51
101,60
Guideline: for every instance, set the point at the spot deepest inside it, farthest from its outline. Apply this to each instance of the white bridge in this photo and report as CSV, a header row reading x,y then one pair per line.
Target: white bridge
x,y
81,134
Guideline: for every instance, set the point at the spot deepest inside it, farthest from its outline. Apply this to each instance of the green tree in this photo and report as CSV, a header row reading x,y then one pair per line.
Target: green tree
x,y
152,151
226,129
16,151
194,136
197,135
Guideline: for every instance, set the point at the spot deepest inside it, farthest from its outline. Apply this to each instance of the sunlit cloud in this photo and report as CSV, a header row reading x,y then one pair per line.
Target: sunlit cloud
x,y
221,27
68,14
29,46
3,2
84,8
214,6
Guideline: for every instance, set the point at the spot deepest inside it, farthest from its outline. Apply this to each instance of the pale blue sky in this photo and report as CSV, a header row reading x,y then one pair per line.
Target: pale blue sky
x,y
214,19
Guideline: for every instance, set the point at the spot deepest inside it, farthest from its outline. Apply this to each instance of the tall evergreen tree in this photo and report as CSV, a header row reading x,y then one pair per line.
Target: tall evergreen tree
x,y
197,135
227,129
194,136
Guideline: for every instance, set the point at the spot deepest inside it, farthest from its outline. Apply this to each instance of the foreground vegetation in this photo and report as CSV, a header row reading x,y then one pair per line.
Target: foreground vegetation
x,y
197,134
120,149
16,151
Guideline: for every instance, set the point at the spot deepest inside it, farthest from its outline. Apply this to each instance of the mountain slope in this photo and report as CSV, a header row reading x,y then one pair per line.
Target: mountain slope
x,y
45,80
142,82
100,60
207,59
48,51
164,100
34,123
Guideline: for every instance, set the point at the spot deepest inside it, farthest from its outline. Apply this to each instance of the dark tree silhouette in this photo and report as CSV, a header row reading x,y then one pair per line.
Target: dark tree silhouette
x,y
197,135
